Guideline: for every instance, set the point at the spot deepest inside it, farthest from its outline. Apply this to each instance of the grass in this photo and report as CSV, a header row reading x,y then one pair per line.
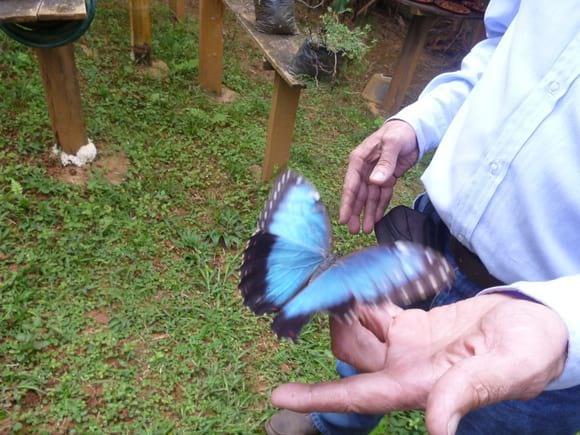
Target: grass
x,y
119,310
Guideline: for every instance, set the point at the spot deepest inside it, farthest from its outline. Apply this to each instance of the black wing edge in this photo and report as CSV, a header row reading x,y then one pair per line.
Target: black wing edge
x,y
253,273
438,276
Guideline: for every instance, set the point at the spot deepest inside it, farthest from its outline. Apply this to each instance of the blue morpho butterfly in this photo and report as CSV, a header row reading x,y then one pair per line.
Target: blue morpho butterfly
x,y
288,266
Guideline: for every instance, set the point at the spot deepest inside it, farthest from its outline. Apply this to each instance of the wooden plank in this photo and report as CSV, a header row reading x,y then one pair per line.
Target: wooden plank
x,y
51,10
178,9
405,69
63,96
211,45
279,50
19,11
280,126
428,9
140,13
30,11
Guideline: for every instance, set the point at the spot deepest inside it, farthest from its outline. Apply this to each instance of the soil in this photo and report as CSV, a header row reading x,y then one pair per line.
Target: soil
x,y
99,317
112,165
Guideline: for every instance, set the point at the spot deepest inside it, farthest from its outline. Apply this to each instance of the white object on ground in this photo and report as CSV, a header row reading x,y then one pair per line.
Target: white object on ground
x,y
86,154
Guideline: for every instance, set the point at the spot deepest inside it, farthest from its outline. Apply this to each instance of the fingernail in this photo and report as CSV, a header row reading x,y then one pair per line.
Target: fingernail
x,y
379,176
453,423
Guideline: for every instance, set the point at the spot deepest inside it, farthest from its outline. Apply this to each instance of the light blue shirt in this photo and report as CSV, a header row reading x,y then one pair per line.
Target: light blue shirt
x,y
506,174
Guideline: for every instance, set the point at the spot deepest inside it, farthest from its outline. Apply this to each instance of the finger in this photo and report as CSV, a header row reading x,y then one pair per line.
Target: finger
x,y
357,346
373,196
378,319
374,393
467,385
385,167
384,199
354,221
350,191
354,224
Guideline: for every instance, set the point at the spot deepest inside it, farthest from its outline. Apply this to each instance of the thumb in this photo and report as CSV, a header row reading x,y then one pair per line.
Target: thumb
x,y
467,385
385,167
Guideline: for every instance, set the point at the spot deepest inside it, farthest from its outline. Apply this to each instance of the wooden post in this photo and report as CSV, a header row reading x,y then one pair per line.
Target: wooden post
x,y
280,126
178,8
63,96
405,69
140,31
211,45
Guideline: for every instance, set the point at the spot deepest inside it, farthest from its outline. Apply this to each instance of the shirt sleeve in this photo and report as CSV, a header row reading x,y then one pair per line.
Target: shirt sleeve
x,y
563,296
439,102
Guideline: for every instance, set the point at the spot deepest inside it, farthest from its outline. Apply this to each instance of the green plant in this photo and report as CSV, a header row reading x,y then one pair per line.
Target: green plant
x,y
340,39
340,6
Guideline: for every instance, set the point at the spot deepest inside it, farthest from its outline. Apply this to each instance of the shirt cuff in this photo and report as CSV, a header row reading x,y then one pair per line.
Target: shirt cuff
x,y
563,296
427,128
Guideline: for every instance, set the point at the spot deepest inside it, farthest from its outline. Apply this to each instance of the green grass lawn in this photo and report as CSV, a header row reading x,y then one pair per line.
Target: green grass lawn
x,y
119,310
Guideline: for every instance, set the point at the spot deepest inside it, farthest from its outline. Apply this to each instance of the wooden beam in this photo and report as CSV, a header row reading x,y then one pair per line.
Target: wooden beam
x,y
178,8
63,96
30,11
59,9
211,45
140,13
280,126
407,63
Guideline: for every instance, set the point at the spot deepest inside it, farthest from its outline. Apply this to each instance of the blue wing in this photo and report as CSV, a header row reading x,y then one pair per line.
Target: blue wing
x,y
292,240
402,273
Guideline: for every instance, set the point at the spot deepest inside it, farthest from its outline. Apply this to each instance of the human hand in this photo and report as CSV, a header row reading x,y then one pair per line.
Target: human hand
x,y
373,169
449,360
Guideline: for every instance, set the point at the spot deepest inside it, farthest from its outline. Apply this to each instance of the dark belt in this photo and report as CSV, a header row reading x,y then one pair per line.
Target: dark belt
x,y
471,266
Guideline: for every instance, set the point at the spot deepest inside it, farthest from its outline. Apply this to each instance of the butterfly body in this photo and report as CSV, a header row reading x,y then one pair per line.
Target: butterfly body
x,y
288,266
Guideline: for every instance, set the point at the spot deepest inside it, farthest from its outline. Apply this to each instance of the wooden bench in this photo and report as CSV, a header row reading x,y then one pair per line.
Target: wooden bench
x,y
423,17
57,67
279,52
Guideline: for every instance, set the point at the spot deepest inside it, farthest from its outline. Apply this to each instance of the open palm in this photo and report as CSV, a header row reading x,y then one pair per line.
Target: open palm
x,y
448,361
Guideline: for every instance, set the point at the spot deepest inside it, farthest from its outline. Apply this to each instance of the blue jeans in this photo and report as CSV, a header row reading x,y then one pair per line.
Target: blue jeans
x,y
551,413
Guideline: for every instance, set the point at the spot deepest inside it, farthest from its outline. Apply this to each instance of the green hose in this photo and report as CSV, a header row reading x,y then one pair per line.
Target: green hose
x,y
50,34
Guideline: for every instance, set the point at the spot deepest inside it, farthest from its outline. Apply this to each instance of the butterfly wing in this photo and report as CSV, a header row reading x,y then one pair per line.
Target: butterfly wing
x,y
293,238
403,273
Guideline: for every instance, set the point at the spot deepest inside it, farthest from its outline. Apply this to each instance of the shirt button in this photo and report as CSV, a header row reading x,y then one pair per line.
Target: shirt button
x,y
553,87
494,168
461,239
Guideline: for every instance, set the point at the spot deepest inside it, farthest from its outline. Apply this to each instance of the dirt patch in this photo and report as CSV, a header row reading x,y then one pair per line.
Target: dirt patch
x,y
180,212
112,166
31,399
227,96
113,362
94,394
99,317
157,71
158,265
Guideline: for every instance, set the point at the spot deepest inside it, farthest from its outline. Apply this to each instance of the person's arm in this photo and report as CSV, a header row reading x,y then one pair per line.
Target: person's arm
x,y
563,296
375,164
432,113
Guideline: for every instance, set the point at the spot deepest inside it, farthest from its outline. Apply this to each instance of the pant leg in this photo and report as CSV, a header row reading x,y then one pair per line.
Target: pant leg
x,y
552,412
